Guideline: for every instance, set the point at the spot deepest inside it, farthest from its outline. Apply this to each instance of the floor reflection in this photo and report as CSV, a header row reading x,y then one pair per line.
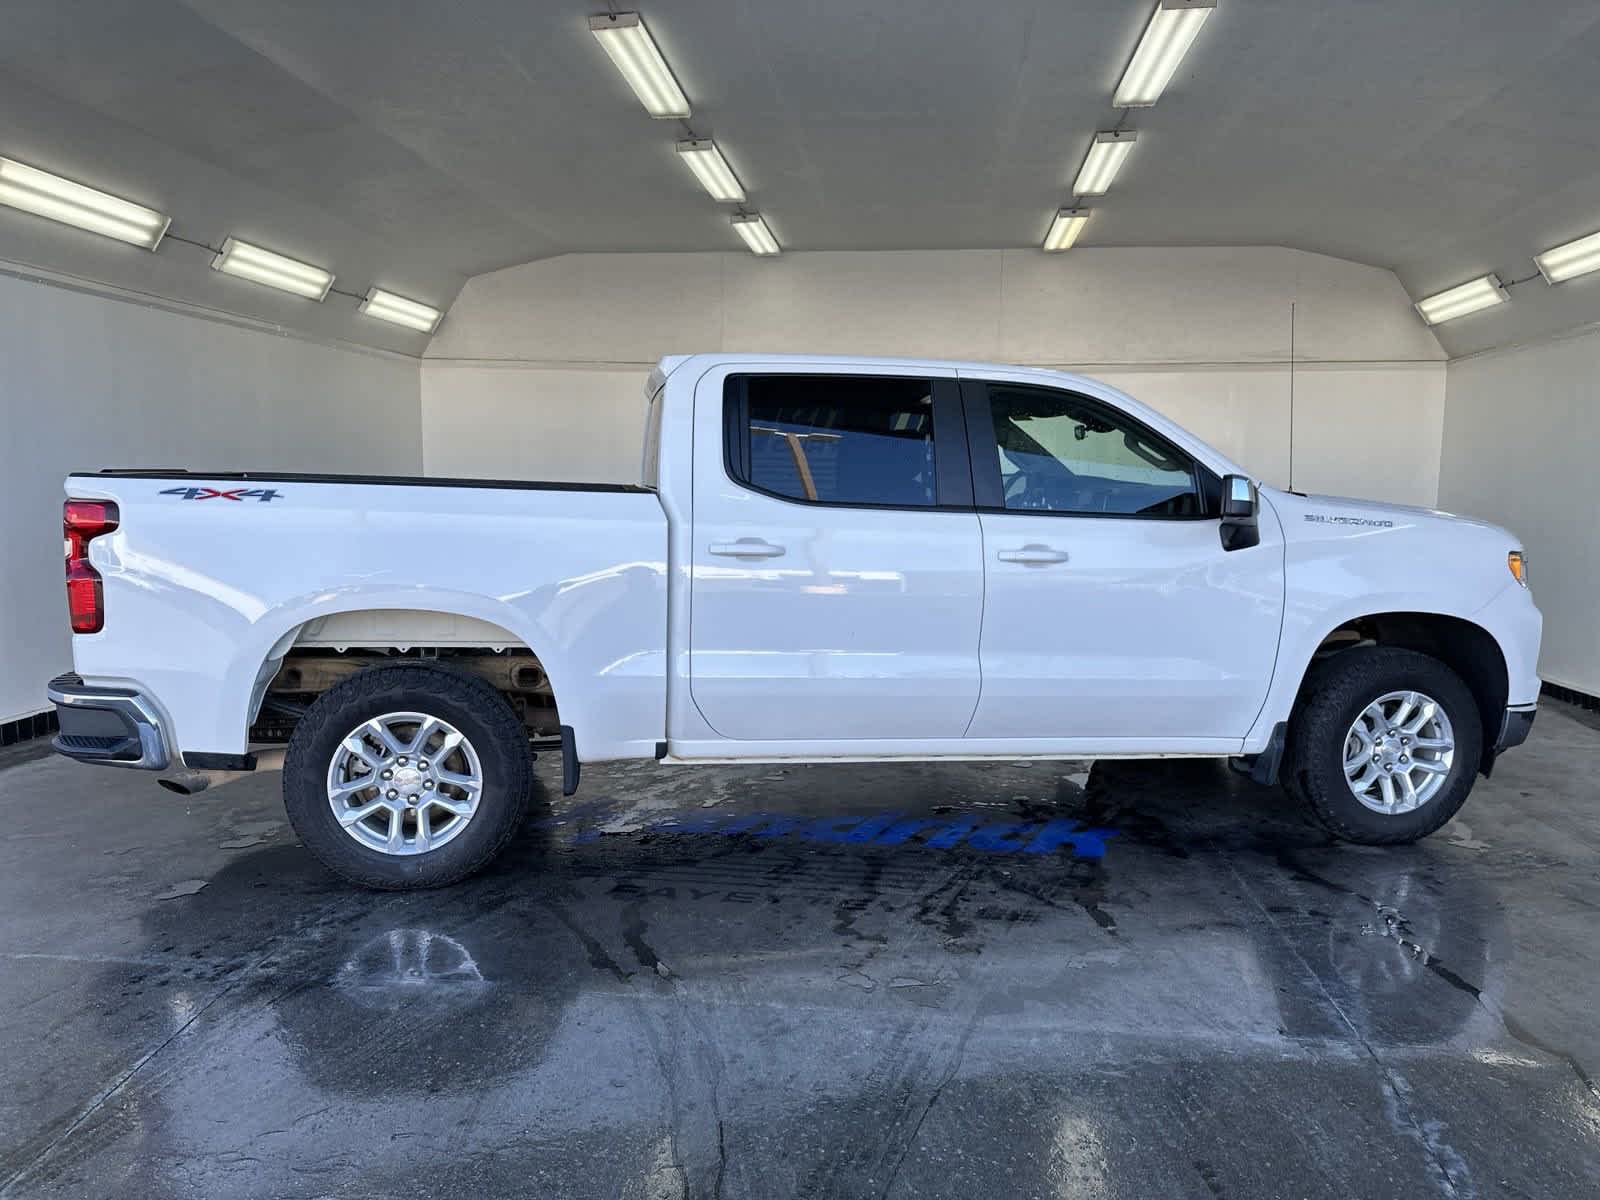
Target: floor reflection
x,y
818,981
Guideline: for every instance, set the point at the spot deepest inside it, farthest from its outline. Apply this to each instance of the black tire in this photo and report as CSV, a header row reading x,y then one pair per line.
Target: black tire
x,y
1335,693
466,702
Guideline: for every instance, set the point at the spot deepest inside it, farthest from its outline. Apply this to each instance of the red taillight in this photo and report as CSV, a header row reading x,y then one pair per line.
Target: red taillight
x,y
81,522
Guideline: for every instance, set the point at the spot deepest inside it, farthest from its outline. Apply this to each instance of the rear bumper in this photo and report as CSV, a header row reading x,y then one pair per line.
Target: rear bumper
x,y
118,727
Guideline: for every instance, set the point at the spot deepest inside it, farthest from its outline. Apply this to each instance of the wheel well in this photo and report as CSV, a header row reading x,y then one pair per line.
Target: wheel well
x,y
327,650
1467,649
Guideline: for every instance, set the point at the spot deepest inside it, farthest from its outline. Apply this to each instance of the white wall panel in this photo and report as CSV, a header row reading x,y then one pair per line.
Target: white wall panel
x,y
578,424
1521,435
1203,333
914,303
1370,431
1148,305
90,382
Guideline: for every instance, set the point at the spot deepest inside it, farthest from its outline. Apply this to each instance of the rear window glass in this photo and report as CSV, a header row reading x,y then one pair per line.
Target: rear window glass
x,y
835,439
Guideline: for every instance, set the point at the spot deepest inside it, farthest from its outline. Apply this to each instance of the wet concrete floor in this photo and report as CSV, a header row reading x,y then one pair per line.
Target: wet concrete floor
x,y
974,980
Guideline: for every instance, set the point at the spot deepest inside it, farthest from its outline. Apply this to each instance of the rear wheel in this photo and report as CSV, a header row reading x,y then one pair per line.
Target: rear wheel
x,y
407,777
1386,746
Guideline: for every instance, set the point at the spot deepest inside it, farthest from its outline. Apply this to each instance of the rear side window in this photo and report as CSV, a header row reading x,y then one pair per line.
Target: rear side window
x,y
833,439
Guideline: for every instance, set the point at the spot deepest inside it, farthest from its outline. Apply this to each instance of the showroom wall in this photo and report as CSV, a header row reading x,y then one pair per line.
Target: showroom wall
x,y
553,354
88,380
1521,434
538,371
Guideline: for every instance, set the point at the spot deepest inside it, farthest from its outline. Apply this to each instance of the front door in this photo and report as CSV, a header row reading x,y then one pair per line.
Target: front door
x,y
837,573
1111,608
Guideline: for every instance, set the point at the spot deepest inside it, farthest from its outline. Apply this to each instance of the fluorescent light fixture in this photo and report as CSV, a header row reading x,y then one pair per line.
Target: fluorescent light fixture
x,y
1569,261
624,37
1166,40
398,310
47,195
1106,155
755,233
1065,228
274,270
712,170
1469,297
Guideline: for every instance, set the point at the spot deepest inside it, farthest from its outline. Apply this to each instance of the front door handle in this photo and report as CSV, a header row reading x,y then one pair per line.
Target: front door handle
x,y
1034,555
745,548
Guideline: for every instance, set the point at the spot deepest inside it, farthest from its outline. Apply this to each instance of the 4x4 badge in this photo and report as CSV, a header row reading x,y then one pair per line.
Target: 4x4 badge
x,y
207,493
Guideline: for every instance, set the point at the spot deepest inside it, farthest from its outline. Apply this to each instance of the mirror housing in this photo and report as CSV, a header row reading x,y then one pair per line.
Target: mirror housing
x,y
1238,496
1240,504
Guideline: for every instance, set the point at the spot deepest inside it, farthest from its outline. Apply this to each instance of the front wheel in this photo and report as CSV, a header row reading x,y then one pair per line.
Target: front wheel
x,y
405,777
1386,746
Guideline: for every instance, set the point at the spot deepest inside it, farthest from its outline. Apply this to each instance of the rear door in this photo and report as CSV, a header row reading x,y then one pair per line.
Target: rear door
x,y
1112,609
837,573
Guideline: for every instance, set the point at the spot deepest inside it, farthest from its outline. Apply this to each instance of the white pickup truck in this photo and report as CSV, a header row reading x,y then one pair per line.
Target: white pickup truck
x,y
826,559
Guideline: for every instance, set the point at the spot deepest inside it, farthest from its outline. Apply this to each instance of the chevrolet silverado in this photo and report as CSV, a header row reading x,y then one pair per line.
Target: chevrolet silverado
x,y
825,559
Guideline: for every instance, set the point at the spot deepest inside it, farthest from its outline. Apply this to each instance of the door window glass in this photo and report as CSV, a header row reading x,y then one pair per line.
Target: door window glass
x,y
1059,453
838,439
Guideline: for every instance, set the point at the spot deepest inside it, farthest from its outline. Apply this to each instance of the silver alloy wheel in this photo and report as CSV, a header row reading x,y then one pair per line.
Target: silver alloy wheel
x,y
404,783
1398,752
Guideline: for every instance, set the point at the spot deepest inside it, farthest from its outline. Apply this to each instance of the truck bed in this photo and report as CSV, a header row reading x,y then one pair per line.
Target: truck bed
x,y
211,577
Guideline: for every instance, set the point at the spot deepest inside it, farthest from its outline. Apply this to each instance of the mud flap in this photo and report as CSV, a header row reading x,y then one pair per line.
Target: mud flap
x,y
1263,768
569,761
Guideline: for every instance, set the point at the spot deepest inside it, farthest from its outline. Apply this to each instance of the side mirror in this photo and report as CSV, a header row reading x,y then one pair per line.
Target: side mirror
x,y
1238,496
1240,504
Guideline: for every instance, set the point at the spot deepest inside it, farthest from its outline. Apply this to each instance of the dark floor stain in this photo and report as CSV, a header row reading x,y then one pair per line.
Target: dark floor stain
x,y
1209,1177
849,909
940,906
634,927
598,958
1089,898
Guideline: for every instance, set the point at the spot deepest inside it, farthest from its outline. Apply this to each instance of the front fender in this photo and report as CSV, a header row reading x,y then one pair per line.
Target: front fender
x,y
1345,560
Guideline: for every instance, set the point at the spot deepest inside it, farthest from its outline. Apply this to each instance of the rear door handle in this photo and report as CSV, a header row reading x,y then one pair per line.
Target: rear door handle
x,y
745,548
1034,555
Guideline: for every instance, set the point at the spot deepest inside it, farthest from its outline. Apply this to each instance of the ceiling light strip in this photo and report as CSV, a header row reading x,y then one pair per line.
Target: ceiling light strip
x,y
1107,153
46,195
712,170
398,310
272,269
1470,297
756,235
1166,39
1570,260
1064,229
635,54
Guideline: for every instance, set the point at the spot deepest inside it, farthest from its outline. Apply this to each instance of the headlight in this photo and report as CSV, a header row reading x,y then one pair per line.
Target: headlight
x,y
1517,561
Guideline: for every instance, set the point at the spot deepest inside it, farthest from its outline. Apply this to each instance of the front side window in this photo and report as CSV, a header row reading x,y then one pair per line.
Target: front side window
x,y
835,439
1060,453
